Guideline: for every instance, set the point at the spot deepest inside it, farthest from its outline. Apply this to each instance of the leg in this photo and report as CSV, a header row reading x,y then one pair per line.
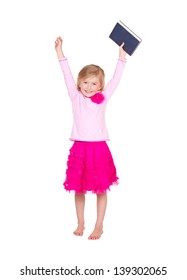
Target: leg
x,y
79,205
101,209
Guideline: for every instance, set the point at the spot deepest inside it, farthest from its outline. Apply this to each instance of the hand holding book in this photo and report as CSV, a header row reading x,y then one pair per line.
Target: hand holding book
x,y
122,52
121,33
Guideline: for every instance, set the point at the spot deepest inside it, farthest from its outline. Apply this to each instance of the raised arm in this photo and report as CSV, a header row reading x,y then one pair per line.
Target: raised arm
x,y
113,83
68,77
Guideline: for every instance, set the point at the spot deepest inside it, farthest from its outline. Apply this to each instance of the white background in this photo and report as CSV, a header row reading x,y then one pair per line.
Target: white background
x,y
145,222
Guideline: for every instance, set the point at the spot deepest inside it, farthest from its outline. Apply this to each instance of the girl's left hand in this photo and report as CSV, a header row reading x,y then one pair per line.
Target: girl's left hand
x,y
122,53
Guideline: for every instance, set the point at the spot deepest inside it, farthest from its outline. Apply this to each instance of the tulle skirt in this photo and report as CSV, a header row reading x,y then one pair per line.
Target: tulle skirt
x,y
90,168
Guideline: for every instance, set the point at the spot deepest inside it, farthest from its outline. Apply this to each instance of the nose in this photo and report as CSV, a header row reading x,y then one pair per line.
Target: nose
x,y
89,86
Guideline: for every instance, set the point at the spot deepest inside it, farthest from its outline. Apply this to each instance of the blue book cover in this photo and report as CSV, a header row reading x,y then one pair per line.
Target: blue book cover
x,y
121,33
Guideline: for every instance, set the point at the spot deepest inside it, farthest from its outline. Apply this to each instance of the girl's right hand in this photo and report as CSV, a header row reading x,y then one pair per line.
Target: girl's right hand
x,y
58,43
58,47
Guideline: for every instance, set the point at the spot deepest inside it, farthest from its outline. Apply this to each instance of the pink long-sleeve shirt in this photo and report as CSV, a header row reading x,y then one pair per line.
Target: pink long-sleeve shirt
x,y
88,117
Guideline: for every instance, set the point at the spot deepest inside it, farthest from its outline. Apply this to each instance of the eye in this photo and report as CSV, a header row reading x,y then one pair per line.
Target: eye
x,y
84,82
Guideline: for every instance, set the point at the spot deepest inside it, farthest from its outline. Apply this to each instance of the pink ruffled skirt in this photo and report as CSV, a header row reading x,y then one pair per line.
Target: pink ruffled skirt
x,y
90,168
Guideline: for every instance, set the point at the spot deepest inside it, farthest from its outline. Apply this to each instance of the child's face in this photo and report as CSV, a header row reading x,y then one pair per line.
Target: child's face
x,y
90,86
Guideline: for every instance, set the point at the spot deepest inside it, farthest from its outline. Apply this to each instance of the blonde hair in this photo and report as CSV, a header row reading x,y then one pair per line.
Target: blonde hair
x,y
91,70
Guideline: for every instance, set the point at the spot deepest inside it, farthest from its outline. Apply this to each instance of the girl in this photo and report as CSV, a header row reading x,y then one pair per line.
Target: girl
x,y
90,166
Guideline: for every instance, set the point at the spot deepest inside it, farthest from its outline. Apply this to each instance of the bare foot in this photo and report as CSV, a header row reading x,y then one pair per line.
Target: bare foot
x,y
79,231
96,234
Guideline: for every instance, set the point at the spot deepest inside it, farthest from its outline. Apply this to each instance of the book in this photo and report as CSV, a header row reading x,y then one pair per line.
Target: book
x,y
121,33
